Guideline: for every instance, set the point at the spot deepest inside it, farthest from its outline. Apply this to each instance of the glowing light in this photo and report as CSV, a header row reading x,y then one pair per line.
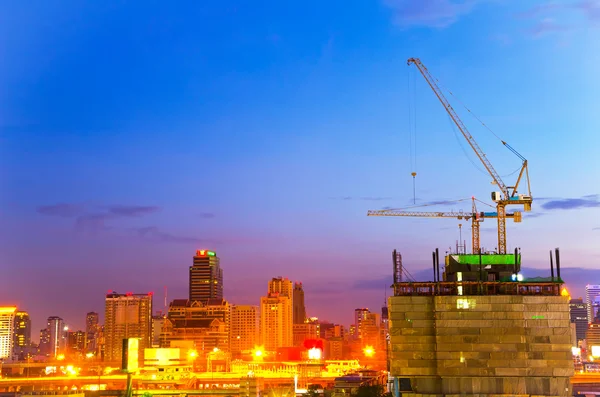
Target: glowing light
x,y
314,353
192,354
60,357
564,292
89,355
216,349
576,351
369,351
595,351
259,352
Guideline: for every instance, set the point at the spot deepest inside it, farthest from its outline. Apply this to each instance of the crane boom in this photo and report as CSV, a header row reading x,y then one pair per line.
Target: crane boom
x,y
475,216
508,194
463,129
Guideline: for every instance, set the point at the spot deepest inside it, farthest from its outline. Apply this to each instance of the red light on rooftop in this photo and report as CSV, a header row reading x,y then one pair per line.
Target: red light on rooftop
x,y
150,293
201,253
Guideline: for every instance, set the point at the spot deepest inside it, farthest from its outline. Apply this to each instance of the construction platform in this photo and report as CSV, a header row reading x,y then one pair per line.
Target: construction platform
x,y
462,337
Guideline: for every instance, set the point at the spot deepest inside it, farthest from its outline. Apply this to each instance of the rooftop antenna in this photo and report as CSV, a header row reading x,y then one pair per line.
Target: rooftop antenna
x,y
166,299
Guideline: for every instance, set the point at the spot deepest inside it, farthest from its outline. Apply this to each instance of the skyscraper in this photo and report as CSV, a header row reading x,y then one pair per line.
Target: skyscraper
x,y
244,328
57,336
591,292
578,312
359,317
91,331
282,286
298,301
7,327
45,342
206,277
126,316
276,325
22,335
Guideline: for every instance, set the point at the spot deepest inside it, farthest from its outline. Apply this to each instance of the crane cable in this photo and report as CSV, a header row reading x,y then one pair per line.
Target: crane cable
x,y
482,123
412,128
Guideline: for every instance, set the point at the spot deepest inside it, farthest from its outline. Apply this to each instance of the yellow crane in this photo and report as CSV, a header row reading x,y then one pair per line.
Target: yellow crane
x,y
508,195
475,217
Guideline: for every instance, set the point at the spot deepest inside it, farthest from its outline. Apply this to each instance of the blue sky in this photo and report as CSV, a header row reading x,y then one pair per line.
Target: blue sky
x,y
131,135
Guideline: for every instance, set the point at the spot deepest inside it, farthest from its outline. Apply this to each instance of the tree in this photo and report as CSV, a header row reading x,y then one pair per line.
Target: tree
x,y
370,391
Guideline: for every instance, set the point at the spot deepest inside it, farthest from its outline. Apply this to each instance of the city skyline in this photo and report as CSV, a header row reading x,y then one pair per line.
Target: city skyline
x,y
124,150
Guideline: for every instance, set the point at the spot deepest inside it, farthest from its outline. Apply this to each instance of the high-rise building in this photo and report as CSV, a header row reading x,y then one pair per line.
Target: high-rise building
x,y
126,316
91,332
579,313
7,327
591,292
76,342
276,325
282,286
158,329
57,332
206,277
298,301
244,328
22,335
359,317
44,342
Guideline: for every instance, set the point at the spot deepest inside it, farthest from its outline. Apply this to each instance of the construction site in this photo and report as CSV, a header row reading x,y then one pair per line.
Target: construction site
x,y
479,328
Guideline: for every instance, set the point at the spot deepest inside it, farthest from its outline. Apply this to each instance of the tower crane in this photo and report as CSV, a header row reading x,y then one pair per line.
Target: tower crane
x,y
475,217
508,195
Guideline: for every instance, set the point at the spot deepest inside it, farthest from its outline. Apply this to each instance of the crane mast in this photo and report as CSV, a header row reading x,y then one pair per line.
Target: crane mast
x,y
508,194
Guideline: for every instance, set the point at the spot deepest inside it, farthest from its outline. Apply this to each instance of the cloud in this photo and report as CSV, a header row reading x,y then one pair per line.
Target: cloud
x,y
61,209
539,9
547,26
382,283
153,233
206,215
590,8
596,228
429,13
93,219
347,198
590,201
533,215
132,210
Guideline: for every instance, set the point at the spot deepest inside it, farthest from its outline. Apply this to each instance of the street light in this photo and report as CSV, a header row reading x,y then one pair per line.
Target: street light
x,y
369,351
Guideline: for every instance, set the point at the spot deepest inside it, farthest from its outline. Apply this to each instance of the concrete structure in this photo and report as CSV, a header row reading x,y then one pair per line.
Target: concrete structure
x,y
243,328
126,316
298,302
206,277
7,328
480,338
579,313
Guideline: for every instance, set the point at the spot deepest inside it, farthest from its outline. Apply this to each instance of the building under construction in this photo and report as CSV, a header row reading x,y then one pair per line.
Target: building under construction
x,y
480,330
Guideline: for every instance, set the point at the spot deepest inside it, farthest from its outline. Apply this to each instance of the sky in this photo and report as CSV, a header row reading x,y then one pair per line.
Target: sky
x,y
133,133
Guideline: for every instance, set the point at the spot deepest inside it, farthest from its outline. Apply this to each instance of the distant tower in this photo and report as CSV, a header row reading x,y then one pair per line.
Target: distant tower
x,y
298,301
206,277
22,335
91,331
591,292
57,336
243,328
7,327
578,311
127,316
360,316
276,315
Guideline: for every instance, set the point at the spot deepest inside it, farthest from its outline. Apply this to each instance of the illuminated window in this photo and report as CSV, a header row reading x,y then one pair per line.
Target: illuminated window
x,y
462,303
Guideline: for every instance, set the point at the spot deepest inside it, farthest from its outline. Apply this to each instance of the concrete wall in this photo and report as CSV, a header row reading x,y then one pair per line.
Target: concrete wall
x,y
482,345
